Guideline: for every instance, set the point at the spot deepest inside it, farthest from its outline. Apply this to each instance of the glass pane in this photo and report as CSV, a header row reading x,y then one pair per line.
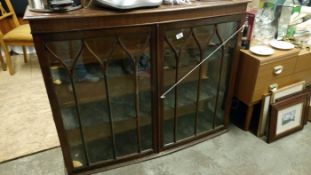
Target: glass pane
x,y
169,101
90,89
207,87
146,111
210,76
225,30
131,94
145,96
61,79
90,105
103,87
196,105
181,55
188,95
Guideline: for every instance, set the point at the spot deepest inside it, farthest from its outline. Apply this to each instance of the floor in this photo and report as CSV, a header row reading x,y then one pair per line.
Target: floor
x,y
26,120
233,153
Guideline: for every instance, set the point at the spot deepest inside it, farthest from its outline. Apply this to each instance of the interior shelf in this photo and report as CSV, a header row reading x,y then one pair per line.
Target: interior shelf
x,y
64,90
102,130
97,126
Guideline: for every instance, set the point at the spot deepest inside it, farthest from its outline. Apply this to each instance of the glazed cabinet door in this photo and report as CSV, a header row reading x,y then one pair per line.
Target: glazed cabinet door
x,y
197,105
102,83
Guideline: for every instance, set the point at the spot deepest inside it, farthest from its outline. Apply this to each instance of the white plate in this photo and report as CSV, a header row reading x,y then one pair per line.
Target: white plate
x,y
262,50
281,45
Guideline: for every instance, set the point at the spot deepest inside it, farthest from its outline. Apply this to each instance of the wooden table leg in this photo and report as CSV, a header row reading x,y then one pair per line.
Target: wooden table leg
x,y
248,118
3,65
25,54
7,56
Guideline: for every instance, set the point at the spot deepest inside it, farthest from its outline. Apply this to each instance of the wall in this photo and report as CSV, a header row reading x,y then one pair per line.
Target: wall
x,y
7,24
254,4
19,6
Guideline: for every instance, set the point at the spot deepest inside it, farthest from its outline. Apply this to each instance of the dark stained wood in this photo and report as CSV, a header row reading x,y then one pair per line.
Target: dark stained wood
x,y
86,24
160,85
189,25
148,154
220,73
176,55
155,54
64,93
248,117
98,12
84,19
137,110
111,126
81,127
233,75
45,67
102,130
199,81
308,106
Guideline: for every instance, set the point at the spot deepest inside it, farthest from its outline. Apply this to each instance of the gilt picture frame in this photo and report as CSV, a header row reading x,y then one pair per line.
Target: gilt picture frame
x,y
287,90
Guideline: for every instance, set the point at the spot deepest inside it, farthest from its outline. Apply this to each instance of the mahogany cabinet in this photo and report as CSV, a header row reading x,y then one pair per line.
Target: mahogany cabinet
x,y
105,72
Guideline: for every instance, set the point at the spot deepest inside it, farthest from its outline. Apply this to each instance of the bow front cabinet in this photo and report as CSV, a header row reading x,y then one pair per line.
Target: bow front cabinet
x,y
105,72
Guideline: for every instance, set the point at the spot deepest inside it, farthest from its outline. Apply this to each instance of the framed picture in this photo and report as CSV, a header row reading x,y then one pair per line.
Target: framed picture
x,y
264,115
309,112
287,90
309,104
287,116
272,97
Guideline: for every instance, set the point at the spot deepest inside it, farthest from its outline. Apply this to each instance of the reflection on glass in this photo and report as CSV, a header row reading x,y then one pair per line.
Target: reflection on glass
x,y
180,105
196,105
103,87
225,30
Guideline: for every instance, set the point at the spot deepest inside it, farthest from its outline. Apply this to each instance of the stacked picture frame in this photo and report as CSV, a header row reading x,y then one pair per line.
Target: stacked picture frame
x,y
308,89
284,111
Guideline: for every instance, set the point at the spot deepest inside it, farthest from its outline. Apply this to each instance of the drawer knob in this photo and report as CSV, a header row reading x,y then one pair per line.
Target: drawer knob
x,y
278,70
274,87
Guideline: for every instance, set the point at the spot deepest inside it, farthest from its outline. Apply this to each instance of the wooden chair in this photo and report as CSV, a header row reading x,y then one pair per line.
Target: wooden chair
x,y
17,35
3,65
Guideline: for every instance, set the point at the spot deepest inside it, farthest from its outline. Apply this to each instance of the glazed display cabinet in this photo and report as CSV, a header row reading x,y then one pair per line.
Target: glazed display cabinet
x,y
105,72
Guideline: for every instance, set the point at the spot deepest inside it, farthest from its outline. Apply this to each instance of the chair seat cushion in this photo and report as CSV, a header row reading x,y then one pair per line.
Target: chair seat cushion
x,y
20,33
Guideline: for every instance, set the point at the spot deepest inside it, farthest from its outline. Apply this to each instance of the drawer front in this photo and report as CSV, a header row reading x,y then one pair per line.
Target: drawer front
x,y
303,62
262,87
275,70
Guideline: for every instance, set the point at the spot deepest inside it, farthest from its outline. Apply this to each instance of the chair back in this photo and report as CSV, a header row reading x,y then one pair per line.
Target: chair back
x,y
8,18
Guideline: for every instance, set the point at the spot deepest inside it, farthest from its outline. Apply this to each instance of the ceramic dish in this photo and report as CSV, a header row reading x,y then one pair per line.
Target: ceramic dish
x,y
262,50
282,45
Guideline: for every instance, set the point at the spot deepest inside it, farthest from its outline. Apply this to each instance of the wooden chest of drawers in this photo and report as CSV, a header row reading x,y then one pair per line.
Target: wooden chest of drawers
x,y
258,73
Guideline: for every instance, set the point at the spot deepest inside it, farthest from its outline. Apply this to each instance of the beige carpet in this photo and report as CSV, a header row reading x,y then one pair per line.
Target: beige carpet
x,y
26,123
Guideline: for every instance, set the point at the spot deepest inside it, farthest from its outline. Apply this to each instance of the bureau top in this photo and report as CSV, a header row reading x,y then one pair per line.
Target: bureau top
x,y
277,55
305,51
102,18
99,11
